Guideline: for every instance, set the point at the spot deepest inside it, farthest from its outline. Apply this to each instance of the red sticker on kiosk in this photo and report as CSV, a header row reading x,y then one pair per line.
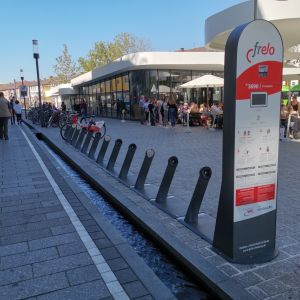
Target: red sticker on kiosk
x,y
255,194
261,77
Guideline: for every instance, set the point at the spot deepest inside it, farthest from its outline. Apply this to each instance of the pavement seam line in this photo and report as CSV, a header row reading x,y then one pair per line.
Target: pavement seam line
x,y
114,287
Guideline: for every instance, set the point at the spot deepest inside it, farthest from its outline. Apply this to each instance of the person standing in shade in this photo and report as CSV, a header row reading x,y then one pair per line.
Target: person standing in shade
x,y
5,114
18,111
172,110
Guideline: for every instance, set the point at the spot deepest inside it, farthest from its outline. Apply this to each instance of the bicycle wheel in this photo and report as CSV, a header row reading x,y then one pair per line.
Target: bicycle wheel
x,y
63,132
84,121
102,131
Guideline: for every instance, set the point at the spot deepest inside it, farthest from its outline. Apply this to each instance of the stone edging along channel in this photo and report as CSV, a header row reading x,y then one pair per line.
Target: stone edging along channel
x,y
216,281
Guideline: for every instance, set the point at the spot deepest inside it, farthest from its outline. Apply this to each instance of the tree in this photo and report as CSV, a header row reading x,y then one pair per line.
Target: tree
x,y
103,53
65,68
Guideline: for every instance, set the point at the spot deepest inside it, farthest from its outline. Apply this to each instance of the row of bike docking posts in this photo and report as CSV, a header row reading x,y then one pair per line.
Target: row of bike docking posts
x,y
202,224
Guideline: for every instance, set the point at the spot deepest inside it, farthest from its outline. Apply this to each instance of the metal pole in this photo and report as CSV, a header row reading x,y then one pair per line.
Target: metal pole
x,y
22,78
127,161
191,216
167,180
140,181
36,56
255,10
188,130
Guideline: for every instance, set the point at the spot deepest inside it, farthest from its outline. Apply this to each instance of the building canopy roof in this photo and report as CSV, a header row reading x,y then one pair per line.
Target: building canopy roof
x,y
283,14
208,61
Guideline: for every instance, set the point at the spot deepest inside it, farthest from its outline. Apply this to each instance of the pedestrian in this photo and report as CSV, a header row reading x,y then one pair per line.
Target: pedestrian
x,y
172,110
5,114
18,111
83,108
141,109
63,107
165,112
12,117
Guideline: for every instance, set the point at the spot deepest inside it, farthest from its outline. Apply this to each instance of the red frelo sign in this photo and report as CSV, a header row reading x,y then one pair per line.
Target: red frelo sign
x,y
261,77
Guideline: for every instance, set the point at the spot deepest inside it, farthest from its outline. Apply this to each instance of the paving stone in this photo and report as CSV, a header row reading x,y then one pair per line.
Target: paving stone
x,y
28,258
117,264
273,287
34,287
228,269
56,215
13,249
33,226
290,295
258,293
273,270
25,236
83,274
53,241
247,279
72,248
15,274
91,290
126,275
110,253
135,289
61,264
103,243
62,229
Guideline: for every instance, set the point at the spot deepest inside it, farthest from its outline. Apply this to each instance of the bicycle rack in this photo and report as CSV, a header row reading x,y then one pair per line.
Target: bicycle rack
x,y
202,224
114,155
94,145
80,138
75,136
87,142
70,135
126,164
145,190
103,149
68,128
166,202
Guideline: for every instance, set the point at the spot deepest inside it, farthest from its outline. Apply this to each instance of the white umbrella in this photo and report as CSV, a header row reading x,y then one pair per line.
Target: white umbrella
x,y
204,81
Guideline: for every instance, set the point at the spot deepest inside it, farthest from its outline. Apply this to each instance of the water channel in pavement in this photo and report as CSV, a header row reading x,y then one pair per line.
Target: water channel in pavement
x,y
177,280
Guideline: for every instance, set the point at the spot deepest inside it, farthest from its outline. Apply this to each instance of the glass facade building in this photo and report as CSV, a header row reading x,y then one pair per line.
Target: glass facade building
x,y
108,97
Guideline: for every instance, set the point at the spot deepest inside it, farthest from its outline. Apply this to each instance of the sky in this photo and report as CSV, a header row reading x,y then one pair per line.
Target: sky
x,y
167,25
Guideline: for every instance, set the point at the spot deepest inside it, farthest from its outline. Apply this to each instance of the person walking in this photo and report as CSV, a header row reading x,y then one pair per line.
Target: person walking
x,y
141,109
18,111
5,114
11,104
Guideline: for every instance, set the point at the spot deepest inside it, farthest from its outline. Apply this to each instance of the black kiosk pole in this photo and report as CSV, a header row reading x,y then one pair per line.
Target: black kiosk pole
x,y
246,220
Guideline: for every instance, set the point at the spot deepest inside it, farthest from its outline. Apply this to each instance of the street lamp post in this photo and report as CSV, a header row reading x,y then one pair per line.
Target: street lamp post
x,y
36,56
23,92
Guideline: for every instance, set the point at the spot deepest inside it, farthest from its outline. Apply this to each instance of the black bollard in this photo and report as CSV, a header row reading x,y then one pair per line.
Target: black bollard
x,y
75,136
66,133
127,161
80,138
167,180
139,184
114,155
87,142
70,134
94,145
191,216
103,149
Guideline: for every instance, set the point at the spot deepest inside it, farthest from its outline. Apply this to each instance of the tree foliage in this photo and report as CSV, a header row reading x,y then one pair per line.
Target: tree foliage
x,y
65,68
103,53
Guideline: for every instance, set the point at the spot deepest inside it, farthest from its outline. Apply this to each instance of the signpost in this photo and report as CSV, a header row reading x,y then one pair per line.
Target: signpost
x,y
246,220
23,93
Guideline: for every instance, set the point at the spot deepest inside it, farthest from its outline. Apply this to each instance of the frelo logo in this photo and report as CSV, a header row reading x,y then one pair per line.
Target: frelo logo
x,y
259,50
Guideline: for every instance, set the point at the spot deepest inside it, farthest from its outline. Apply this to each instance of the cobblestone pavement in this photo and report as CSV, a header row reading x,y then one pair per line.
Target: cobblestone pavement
x,y
279,279
46,250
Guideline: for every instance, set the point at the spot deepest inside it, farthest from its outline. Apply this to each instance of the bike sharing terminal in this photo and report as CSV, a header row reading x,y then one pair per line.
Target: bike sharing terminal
x,y
245,229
